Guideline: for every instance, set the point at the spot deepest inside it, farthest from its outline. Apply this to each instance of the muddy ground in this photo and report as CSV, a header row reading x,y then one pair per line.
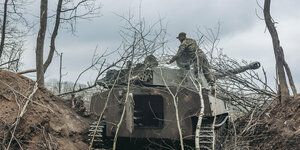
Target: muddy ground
x,y
48,122
281,127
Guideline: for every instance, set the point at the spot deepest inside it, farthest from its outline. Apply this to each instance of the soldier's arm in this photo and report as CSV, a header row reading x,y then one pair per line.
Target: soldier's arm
x,y
182,46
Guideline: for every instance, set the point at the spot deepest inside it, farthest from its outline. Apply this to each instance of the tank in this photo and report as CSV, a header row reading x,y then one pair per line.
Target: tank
x,y
150,111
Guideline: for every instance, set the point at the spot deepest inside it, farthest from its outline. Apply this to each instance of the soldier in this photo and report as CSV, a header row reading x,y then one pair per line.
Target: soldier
x,y
79,106
189,53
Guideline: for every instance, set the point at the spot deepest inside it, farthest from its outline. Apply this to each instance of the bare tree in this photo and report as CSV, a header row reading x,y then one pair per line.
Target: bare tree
x,y
14,28
69,11
53,36
3,28
247,128
281,65
40,42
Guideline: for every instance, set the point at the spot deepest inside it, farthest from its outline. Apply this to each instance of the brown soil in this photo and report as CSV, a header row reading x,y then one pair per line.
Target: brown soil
x,y
47,122
281,128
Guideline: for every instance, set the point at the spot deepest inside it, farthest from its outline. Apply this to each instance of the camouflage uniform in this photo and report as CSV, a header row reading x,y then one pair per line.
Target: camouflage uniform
x,y
187,54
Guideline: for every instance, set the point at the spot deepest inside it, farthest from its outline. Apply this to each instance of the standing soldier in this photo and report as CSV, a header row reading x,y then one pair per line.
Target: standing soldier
x,y
189,53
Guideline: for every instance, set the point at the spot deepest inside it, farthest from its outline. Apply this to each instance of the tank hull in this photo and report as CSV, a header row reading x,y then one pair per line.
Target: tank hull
x,y
150,111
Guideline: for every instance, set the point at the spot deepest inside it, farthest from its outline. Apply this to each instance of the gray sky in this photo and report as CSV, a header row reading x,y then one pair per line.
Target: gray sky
x,y
243,35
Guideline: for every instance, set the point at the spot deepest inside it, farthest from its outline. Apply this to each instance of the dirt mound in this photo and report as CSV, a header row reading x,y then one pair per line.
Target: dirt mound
x,y
282,127
37,120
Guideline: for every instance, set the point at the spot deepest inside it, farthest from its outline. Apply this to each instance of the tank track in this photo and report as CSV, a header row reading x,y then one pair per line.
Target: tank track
x,y
100,137
207,133
206,137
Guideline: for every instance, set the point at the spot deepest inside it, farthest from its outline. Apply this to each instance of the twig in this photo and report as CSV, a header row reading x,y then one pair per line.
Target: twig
x,y
9,62
235,135
15,91
29,100
249,122
214,121
27,71
126,99
48,144
200,115
105,106
22,112
175,100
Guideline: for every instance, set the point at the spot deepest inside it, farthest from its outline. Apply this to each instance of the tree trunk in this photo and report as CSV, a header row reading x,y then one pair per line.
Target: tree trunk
x,y
54,34
3,28
40,43
60,74
289,74
283,88
200,118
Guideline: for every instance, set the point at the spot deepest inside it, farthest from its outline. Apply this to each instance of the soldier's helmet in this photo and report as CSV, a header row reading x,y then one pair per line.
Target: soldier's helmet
x,y
181,34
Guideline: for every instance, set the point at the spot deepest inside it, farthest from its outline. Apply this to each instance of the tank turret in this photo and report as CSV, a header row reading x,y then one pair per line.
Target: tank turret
x,y
149,74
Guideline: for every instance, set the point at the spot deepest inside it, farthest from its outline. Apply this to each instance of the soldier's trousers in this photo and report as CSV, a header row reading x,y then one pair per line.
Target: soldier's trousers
x,y
186,61
202,64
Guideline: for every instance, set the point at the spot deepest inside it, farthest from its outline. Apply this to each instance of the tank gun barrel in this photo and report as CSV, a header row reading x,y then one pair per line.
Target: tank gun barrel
x,y
252,66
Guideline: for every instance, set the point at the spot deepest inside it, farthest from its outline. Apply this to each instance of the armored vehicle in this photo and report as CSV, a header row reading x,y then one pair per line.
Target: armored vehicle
x,y
150,111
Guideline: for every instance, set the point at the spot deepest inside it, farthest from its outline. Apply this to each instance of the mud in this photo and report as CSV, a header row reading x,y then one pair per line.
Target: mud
x,y
281,127
48,121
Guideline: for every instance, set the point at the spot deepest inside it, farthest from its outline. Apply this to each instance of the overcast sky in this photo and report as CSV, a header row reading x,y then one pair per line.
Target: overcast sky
x,y
243,35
